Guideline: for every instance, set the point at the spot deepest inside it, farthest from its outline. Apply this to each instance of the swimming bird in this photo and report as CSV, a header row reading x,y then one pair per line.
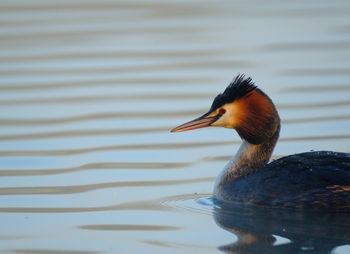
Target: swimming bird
x,y
312,180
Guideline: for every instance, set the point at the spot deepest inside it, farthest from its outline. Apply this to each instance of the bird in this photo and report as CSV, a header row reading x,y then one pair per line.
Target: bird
x,y
316,180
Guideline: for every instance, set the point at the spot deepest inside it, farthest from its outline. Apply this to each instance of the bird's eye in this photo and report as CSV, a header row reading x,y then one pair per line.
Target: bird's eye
x,y
222,111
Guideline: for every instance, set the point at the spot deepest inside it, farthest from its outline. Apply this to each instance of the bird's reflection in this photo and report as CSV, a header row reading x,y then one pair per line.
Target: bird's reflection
x,y
306,231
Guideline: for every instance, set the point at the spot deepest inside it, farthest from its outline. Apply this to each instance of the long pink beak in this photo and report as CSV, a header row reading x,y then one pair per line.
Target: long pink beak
x,y
200,122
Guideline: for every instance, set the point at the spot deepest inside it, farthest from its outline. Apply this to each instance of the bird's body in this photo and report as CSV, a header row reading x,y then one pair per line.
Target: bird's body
x,y
313,180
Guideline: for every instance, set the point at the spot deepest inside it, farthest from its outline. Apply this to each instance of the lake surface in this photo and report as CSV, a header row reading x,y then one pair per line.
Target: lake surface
x,y
90,89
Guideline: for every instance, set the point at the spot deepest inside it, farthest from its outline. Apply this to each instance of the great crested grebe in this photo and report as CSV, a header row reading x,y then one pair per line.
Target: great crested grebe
x,y
311,180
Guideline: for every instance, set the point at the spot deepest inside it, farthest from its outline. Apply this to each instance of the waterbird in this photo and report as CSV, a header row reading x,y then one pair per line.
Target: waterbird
x,y
316,180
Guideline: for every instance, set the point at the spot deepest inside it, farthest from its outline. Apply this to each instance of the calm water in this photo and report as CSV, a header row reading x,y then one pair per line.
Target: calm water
x,y
90,89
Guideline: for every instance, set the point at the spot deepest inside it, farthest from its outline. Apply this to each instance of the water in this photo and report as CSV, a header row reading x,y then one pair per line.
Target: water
x,y
90,90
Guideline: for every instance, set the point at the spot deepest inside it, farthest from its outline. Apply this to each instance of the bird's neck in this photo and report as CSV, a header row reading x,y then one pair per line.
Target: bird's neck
x,y
246,161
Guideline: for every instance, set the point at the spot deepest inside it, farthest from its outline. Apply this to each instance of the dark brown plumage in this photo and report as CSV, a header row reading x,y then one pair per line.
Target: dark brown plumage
x,y
312,180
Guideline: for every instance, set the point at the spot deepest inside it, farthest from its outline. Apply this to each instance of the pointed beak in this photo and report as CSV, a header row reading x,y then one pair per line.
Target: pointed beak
x,y
200,122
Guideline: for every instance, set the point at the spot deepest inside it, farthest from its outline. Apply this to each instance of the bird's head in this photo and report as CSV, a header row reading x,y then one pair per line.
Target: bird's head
x,y
243,107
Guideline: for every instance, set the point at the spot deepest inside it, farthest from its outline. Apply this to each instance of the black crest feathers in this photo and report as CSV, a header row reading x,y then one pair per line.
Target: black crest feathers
x,y
238,88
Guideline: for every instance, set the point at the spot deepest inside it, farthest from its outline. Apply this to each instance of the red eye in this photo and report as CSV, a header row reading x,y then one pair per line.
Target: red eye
x,y
222,111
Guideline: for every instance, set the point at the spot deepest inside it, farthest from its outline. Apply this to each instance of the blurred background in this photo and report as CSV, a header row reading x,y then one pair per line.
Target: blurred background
x,y
90,89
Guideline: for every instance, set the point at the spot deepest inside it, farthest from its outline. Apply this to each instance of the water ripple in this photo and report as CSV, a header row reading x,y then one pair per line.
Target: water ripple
x,y
53,251
104,98
59,190
81,133
228,64
316,88
97,116
143,206
111,82
317,72
151,146
95,166
307,46
198,203
128,227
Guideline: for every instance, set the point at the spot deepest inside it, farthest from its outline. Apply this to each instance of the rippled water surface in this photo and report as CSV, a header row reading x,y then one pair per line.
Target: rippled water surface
x,y
90,89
